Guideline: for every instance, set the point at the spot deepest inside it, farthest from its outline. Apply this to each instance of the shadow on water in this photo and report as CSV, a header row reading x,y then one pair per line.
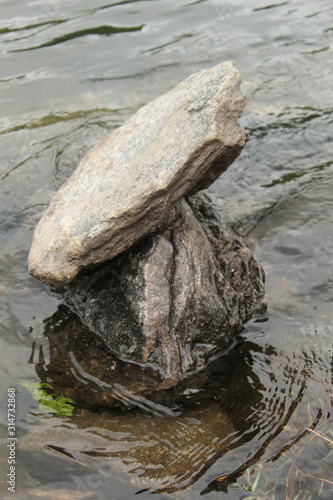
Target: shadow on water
x,y
163,441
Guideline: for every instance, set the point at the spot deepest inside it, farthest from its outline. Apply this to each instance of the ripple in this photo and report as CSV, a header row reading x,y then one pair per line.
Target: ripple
x,y
25,27
248,408
270,6
99,30
109,5
54,118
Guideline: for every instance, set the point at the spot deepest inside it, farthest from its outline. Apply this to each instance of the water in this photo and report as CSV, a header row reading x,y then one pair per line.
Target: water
x,y
72,71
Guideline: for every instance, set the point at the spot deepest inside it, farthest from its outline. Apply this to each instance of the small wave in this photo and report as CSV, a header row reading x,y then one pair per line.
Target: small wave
x,y
99,30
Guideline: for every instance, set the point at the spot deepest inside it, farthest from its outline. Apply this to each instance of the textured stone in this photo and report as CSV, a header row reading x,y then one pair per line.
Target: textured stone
x,y
127,185
176,299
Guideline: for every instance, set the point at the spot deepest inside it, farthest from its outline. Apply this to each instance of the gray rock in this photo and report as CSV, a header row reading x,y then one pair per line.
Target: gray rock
x,y
176,299
127,185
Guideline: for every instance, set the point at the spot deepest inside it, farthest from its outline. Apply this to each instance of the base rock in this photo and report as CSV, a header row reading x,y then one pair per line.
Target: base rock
x,y
176,299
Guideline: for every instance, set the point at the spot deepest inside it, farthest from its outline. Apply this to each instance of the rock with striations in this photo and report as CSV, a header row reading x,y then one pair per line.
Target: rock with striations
x,y
127,186
176,299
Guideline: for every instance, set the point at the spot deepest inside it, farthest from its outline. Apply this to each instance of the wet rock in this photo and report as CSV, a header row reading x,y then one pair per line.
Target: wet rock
x,y
82,369
126,187
176,299
169,445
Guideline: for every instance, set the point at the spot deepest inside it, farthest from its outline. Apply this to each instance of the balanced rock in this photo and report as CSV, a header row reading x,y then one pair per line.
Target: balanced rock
x,y
176,299
127,185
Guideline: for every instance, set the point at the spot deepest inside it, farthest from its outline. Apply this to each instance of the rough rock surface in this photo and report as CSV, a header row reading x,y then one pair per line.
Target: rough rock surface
x,y
176,299
126,186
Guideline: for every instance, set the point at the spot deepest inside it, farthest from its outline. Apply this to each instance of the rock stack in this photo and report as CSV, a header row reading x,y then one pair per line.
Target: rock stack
x,y
147,265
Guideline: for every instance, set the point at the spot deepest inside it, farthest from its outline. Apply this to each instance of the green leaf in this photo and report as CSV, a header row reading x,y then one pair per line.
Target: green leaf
x,y
42,392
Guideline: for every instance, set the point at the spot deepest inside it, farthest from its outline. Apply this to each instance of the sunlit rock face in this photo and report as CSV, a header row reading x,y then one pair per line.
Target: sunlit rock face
x,y
177,299
127,185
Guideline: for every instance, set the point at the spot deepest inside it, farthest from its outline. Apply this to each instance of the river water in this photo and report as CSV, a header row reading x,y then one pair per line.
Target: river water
x,y
72,71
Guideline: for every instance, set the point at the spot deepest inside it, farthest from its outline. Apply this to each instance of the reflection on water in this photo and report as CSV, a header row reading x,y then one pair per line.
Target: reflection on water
x,y
244,426
237,414
82,367
169,444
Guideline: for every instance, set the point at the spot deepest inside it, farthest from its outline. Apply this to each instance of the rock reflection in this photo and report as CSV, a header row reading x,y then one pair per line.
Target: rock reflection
x,y
164,440
83,369
181,432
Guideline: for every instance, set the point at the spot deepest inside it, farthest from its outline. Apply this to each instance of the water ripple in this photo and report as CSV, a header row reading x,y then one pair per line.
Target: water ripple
x,y
99,30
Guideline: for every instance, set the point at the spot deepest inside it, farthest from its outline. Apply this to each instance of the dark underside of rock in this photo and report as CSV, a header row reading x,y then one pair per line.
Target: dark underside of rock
x,y
176,299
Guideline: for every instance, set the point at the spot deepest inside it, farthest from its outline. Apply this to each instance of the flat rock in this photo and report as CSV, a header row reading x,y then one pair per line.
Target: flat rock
x,y
127,185
176,299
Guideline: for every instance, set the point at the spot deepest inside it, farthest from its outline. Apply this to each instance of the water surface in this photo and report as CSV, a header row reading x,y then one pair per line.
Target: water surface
x,y
72,71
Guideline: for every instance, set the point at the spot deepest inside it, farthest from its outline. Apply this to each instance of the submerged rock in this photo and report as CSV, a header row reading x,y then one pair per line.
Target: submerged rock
x,y
127,186
163,454
176,299
82,368
165,443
